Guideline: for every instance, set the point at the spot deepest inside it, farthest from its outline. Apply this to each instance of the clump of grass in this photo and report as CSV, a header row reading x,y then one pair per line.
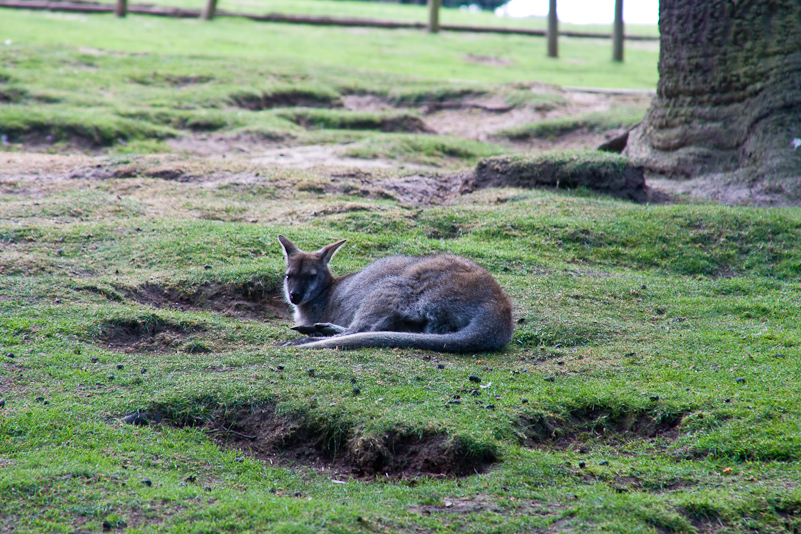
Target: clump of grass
x,y
602,171
197,120
96,128
423,149
350,120
552,129
519,96
142,146
282,96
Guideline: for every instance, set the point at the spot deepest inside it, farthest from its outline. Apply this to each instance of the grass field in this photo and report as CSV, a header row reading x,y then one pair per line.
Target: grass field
x,y
651,384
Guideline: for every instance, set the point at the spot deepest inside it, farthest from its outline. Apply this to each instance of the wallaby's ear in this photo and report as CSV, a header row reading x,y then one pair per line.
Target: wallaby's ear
x,y
289,247
328,251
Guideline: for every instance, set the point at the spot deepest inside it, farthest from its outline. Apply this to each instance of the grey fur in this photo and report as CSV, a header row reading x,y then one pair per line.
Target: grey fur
x,y
442,303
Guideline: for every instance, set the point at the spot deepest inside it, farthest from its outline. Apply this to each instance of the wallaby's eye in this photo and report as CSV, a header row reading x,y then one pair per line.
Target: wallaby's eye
x,y
288,276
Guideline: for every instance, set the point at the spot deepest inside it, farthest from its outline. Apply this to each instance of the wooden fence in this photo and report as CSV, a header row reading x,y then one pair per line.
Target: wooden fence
x,y
210,11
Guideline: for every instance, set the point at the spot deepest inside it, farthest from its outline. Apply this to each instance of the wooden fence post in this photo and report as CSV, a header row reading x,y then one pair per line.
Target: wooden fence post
x,y
617,35
433,15
209,10
553,31
121,8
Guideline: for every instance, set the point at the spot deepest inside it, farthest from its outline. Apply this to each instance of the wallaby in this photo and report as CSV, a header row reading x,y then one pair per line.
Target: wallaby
x,y
442,303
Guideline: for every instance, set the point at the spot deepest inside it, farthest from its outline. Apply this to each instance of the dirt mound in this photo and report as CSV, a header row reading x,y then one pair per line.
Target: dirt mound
x,y
251,300
406,454
150,334
399,454
324,442
600,171
585,424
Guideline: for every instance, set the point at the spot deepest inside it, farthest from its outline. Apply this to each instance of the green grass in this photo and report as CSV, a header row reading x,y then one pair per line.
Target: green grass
x,y
99,83
295,49
97,127
650,386
683,318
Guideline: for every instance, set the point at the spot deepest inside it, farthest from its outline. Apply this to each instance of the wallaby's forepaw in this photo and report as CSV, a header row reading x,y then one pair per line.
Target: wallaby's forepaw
x,y
329,329
304,329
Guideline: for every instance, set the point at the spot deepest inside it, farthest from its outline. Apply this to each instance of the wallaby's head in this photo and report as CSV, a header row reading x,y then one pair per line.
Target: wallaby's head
x,y
307,273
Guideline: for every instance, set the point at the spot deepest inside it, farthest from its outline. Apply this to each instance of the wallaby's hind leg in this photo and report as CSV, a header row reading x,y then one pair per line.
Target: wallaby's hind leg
x,y
386,313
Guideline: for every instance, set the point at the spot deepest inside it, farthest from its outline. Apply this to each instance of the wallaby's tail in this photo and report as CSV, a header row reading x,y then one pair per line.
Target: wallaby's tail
x,y
482,334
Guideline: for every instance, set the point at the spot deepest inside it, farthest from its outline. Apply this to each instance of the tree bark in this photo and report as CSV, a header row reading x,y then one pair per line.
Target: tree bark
x,y
728,105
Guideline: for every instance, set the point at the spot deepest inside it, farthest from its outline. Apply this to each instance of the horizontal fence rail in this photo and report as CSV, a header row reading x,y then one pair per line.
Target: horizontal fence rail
x,y
141,9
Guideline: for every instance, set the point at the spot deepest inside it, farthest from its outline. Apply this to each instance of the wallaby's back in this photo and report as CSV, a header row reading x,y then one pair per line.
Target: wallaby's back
x,y
442,303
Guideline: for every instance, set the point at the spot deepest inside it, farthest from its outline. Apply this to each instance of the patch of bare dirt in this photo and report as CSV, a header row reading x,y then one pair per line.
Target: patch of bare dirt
x,y
577,139
493,61
229,146
732,189
169,80
306,157
349,176
134,335
293,440
471,117
416,189
477,123
508,506
365,103
246,301
587,424
481,118
420,189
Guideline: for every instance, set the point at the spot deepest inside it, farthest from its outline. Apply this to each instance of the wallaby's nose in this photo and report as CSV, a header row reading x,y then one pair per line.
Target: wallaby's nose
x,y
294,297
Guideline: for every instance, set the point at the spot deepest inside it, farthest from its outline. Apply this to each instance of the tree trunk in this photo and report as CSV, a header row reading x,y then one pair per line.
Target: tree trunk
x,y
728,108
